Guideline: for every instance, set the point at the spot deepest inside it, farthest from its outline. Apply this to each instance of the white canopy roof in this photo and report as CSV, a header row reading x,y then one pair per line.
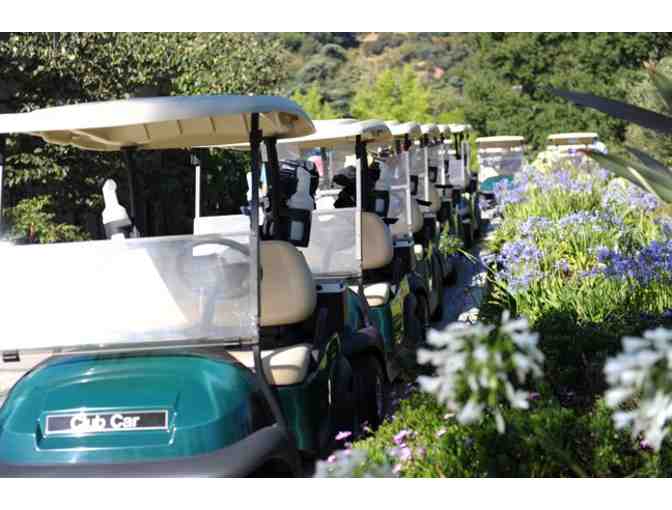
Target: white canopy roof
x,y
459,128
399,130
334,132
500,141
573,138
431,129
161,122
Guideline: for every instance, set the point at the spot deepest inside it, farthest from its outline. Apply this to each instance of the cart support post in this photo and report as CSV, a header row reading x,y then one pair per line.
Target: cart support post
x,y
3,149
196,163
273,181
129,156
256,138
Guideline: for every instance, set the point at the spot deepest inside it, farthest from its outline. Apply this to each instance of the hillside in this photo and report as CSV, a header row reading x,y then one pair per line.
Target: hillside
x,y
341,62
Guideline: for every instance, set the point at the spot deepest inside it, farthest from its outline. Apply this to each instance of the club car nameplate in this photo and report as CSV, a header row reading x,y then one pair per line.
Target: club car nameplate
x,y
94,423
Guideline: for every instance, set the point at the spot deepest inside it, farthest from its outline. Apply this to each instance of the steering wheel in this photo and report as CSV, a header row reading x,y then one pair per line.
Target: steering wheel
x,y
215,276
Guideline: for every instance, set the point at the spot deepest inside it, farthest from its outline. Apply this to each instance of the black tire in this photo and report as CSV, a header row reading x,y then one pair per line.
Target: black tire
x,y
438,311
468,235
422,317
451,278
371,392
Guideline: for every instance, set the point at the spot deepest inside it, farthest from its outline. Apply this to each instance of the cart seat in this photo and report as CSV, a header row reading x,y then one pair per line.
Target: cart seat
x,y
400,228
376,294
377,245
288,293
434,198
282,367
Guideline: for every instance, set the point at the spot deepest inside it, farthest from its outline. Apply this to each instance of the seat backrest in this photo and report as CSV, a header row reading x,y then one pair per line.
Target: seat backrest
x,y
400,227
288,294
377,246
434,198
229,223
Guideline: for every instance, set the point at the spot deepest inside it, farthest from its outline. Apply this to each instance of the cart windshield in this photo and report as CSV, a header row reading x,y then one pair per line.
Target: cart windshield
x,y
500,161
394,172
335,248
134,293
457,166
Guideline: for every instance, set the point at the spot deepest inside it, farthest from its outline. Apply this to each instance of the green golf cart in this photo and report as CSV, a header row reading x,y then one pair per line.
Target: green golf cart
x,y
367,300
499,158
187,355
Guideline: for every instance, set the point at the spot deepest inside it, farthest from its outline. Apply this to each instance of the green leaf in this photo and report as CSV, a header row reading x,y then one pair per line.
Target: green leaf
x,y
620,110
653,181
648,160
662,83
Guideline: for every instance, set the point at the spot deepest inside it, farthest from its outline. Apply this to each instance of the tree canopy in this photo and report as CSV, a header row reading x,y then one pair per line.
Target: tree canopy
x,y
509,75
59,186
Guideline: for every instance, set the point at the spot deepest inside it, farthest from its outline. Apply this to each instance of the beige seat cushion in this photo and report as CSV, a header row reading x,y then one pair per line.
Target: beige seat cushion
x,y
377,244
376,294
288,293
288,365
400,228
434,198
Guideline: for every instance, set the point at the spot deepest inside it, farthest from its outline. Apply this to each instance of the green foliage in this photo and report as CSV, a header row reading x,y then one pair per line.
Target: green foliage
x,y
548,440
510,74
314,104
31,222
393,96
39,69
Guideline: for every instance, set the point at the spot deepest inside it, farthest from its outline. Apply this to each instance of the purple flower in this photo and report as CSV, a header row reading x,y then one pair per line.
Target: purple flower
x,y
396,468
343,435
399,438
405,454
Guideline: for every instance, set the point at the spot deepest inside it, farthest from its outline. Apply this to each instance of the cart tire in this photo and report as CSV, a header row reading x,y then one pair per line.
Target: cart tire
x,y
451,278
437,316
468,235
422,317
371,391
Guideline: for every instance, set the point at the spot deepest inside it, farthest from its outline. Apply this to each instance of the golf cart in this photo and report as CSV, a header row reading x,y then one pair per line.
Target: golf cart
x,y
187,355
569,145
464,185
412,148
350,255
500,158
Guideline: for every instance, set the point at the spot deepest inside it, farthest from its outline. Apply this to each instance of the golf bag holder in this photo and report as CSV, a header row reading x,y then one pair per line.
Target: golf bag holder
x,y
378,200
298,181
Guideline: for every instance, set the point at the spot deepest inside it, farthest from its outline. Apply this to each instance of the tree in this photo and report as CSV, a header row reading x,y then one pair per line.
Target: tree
x,y
509,76
314,104
645,95
393,95
38,70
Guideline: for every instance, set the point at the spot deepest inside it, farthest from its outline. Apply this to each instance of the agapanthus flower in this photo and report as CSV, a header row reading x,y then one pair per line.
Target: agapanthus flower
x,y
352,463
643,370
473,363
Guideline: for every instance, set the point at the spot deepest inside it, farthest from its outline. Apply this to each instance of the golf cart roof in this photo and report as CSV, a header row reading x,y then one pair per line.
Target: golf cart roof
x,y
161,122
459,128
500,142
573,138
430,129
334,132
399,130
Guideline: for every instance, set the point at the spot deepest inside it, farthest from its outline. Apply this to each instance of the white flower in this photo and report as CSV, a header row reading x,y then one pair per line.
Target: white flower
x,y
479,359
471,412
617,396
643,370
